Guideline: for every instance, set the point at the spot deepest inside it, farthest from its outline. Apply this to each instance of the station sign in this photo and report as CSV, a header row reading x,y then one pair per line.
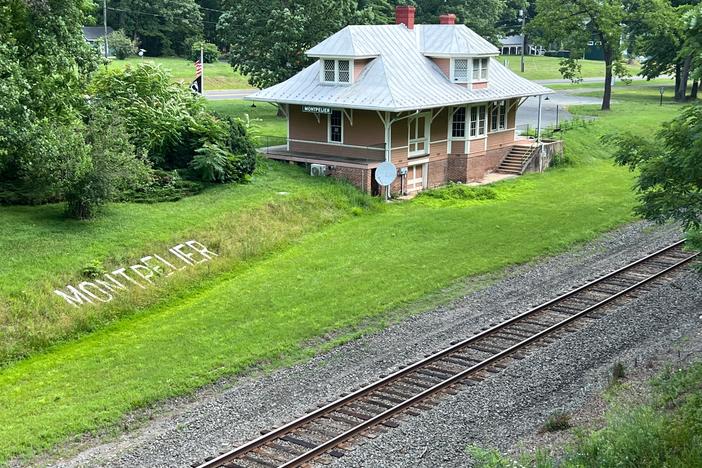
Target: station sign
x,y
317,109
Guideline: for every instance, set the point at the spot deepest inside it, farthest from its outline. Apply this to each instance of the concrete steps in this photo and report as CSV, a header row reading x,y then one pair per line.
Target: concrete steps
x,y
515,161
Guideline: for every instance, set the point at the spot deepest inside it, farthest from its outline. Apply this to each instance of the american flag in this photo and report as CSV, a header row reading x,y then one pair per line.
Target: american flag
x,y
196,85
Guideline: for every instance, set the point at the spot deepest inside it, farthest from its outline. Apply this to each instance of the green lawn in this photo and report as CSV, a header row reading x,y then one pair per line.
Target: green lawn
x,y
315,274
546,68
266,114
219,75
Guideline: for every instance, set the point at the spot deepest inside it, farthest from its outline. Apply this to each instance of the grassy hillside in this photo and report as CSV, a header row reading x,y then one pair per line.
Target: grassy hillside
x,y
219,75
278,251
546,68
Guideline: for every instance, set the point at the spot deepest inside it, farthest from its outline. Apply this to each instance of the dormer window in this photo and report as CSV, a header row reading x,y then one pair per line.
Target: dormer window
x,y
467,70
336,71
480,69
460,70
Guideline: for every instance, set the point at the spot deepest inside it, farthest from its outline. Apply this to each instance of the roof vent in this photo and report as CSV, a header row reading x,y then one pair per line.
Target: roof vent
x,y
448,18
404,14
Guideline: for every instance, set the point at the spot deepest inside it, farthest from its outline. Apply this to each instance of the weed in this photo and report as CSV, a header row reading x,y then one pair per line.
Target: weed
x,y
558,421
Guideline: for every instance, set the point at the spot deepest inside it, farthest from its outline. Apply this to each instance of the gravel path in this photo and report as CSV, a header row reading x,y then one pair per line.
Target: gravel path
x,y
498,412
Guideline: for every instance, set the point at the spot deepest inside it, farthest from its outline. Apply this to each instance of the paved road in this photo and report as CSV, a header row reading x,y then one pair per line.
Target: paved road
x,y
552,110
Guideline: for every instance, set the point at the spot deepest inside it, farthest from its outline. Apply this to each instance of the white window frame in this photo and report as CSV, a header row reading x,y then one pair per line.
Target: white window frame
x,y
477,122
452,66
322,78
500,116
427,135
482,70
329,126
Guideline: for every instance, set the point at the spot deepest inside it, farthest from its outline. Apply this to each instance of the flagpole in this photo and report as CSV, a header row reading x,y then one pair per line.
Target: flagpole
x,y
202,63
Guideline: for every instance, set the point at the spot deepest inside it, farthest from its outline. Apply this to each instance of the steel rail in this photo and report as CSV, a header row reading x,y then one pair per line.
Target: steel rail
x,y
313,453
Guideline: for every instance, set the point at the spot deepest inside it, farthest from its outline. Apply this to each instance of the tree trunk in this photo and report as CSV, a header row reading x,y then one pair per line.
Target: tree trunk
x,y
677,81
607,97
684,77
695,87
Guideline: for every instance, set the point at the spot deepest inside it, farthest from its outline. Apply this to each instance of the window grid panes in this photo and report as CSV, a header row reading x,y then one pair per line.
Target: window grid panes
x,y
329,70
344,71
335,126
478,121
458,125
480,69
418,135
460,70
498,116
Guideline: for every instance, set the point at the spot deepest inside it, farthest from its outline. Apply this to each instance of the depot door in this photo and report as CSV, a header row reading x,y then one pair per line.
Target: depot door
x,y
416,178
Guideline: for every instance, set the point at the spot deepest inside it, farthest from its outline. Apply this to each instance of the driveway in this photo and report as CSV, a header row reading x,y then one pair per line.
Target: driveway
x,y
552,110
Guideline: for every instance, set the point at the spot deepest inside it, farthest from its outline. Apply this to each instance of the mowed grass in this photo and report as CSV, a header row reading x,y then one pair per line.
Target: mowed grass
x,y
546,68
43,251
333,278
218,75
270,125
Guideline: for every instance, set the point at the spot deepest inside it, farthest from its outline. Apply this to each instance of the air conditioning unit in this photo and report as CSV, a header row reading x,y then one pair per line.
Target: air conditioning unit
x,y
318,170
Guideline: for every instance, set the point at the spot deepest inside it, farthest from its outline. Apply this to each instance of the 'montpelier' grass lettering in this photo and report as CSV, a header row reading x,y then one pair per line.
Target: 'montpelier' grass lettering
x,y
139,275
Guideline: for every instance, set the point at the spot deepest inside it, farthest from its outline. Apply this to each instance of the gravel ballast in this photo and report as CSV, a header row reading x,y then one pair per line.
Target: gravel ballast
x,y
497,413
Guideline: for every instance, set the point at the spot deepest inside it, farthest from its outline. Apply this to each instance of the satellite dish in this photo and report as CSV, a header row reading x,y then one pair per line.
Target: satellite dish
x,y
386,173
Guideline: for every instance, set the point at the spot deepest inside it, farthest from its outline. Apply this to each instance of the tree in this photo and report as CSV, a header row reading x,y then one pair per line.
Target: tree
x,y
121,45
162,26
480,15
662,35
44,65
575,22
268,44
669,181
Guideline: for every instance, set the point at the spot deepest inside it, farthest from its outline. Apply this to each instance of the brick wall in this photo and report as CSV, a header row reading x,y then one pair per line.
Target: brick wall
x,y
359,177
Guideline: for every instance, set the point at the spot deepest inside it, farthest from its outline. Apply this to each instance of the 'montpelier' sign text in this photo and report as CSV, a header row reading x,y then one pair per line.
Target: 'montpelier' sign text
x,y
141,275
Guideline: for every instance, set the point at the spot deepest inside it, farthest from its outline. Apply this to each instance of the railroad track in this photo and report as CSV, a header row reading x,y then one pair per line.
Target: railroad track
x,y
332,429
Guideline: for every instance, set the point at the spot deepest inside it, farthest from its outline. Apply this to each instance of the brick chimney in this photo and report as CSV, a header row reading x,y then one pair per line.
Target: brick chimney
x,y
404,14
448,18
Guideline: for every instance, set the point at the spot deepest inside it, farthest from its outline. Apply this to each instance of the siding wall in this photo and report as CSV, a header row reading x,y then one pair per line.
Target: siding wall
x,y
482,155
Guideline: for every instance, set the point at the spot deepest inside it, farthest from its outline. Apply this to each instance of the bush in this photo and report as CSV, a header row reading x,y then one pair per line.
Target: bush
x,y
171,124
455,191
84,164
213,164
558,421
210,52
162,186
122,46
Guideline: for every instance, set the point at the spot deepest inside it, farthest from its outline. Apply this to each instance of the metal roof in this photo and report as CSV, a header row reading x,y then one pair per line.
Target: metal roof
x,y
93,33
400,78
515,40
449,40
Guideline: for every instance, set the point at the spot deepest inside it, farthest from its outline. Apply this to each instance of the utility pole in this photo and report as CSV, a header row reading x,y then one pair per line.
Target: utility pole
x,y
522,13
104,22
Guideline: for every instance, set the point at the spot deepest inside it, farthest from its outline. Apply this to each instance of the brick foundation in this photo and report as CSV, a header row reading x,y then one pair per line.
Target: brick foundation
x,y
359,177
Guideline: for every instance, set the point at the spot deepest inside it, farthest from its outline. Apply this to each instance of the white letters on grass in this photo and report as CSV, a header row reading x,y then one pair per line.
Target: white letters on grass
x,y
140,275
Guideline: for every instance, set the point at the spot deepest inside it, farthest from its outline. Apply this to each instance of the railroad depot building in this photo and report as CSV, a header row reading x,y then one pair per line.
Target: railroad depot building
x,y
432,99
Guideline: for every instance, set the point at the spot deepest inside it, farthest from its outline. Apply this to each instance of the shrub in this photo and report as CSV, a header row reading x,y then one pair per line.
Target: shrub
x,y
558,421
112,166
122,46
85,164
162,186
171,124
210,52
455,191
